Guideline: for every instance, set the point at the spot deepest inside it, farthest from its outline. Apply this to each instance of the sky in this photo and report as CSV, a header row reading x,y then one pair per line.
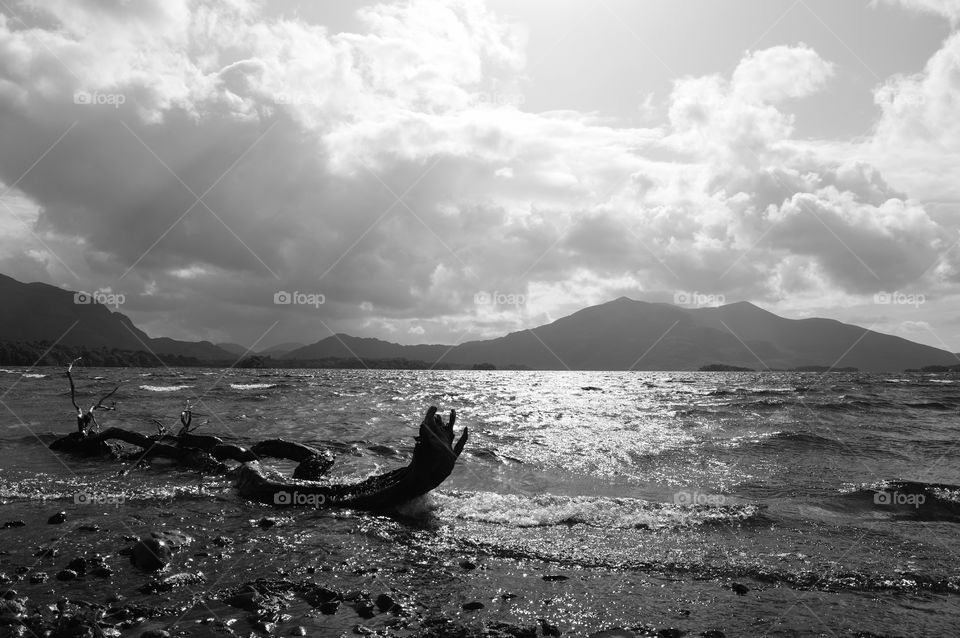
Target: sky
x,y
436,171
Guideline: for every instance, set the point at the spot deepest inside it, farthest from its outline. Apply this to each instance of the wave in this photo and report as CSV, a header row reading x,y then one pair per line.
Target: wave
x,y
548,510
906,500
31,375
252,386
164,388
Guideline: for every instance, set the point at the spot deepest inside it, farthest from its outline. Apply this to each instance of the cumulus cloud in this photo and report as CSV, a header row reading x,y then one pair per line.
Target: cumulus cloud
x,y
201,156
947,8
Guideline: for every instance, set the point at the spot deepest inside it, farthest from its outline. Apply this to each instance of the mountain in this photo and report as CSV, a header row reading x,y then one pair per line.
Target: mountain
x,y
281,349
41,312
234,348
626,334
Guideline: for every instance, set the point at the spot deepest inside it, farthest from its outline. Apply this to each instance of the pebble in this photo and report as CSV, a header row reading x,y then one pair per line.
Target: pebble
x,y
38,578
155,633
472,606
67,574
57,518
548,628
713,633
468,565
740,589
16,523
385,602
78,565
299,630
151,554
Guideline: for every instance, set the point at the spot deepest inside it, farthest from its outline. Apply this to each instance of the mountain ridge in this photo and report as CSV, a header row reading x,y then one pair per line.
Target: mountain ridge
x,y
621,334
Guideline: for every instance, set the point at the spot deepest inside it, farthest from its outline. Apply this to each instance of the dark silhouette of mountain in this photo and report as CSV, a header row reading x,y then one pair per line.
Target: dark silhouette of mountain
x,y
40,312
234,349
625,334
622,334
281,349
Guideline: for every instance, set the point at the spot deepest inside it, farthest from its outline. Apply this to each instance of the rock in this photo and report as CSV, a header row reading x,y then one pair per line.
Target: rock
x,y
17,523
330,607
89,528
265,627
78,565
548,628
247,600
365,608
507,596
670,632
47,552
713,633
555,577
57,518
151,554
362,631
67,574
318,595
740,589
38,578
266,522
10,594
299,630
102,571
385,602
472,606
155,633
468,565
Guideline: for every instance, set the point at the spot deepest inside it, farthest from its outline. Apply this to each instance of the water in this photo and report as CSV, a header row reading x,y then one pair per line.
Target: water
x,y
830,497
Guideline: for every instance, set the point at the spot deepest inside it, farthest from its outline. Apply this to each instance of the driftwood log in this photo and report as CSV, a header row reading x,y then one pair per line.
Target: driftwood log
x,y
434,457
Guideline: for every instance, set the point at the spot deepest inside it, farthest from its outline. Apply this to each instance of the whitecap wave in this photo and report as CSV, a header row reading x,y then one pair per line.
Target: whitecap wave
x,y
252,386
164,388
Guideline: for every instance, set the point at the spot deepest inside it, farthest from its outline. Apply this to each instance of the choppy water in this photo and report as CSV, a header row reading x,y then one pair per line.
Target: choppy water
x,y
831,497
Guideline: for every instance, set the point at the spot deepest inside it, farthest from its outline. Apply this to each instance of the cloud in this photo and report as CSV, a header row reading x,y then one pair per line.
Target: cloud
x,y
947,8
203,156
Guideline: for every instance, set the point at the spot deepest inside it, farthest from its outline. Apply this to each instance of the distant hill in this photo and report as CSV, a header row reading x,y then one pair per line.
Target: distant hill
x,y
38,312
622,334
281,349
626,334
233,348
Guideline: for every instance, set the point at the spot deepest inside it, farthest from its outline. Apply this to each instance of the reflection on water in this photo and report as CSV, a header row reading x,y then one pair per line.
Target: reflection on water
x,y
654,487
